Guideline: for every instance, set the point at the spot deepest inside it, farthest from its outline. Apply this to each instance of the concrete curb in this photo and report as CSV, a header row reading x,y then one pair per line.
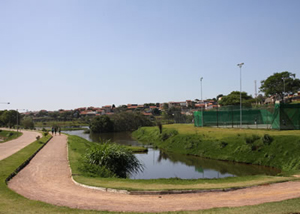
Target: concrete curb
x,y
23,165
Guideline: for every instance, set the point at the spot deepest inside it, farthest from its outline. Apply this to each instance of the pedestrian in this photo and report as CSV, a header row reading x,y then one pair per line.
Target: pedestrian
x,y
52,130
55,130
59,130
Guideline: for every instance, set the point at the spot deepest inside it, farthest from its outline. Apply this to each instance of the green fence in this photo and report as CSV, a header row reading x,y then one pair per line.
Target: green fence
x,y
280,116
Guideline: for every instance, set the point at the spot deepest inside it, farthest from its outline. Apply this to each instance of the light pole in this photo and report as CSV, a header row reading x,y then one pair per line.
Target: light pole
x,y
201,78
240,65
284,78
18,118
201,87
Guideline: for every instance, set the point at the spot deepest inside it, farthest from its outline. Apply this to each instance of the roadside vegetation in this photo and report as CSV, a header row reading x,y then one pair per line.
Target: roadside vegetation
x,y
8,135
12,203
278,149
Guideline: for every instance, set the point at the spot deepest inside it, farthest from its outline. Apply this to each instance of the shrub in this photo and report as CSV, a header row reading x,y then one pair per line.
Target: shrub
x,y
111,160
267,139
87,131
252,139
223,145
38,137
9,134
45,134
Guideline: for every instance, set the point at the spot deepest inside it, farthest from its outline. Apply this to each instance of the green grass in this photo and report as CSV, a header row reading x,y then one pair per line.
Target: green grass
x,y
8,135
11,202
238,145
77,147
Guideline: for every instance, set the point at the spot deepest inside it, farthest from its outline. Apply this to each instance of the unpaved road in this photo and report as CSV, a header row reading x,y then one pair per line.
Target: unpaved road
x,y
11,147
47,178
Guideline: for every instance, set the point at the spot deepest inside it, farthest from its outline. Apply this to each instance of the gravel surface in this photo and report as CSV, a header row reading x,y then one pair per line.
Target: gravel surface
x,y
10,147
48,178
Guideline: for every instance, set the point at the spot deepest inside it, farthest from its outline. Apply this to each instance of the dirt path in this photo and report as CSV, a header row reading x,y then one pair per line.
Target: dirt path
x,y
12,146
47,178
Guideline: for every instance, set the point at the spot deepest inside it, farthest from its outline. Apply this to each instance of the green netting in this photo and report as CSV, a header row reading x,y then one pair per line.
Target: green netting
x,y
280,116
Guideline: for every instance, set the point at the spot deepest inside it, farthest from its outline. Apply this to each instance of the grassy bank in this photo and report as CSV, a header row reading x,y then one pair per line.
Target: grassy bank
x,y
279,149
8,135
12,203
77,147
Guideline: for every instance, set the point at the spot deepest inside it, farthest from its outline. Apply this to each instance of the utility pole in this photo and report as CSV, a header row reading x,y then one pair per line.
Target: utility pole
x,y
240,65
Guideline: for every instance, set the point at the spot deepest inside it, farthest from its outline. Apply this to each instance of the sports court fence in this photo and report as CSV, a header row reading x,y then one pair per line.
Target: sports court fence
x,y
278,116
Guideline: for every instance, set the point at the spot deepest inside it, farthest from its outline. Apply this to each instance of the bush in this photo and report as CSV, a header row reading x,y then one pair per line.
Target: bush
x,y
223,145
267,139
252,139
45,134
38,137
9,134
87,131
111,160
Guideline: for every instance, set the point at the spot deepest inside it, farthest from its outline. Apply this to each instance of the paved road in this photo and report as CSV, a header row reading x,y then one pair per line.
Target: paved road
x,y
11,147
48,178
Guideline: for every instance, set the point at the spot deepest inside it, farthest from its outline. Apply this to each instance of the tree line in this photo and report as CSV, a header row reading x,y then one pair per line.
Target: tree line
x,y
123,121
12,118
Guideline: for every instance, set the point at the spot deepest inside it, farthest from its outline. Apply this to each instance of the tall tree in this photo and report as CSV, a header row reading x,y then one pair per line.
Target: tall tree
x,y
280,84
234,99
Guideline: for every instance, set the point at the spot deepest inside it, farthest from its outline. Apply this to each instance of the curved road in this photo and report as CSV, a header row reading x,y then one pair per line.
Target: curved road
x,y
10,147
47,178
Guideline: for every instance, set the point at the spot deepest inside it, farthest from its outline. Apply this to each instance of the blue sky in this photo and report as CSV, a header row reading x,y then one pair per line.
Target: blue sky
x,y
74,53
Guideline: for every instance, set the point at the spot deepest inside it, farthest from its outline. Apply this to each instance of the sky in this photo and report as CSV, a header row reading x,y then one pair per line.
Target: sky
x,y
65,54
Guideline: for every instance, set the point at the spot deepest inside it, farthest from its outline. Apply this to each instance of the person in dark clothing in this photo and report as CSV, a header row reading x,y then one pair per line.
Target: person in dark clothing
x,y
55,130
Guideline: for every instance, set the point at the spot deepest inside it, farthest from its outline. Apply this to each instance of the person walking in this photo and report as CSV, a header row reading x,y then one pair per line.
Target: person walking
x,y
52,130
55,130
59,130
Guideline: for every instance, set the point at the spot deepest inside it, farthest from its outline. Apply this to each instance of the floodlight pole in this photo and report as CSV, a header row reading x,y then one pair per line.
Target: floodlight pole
x,y
284,78
201,87
240,65
201,98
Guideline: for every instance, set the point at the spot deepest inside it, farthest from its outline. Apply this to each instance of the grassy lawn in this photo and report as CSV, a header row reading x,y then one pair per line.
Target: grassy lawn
x,y
8,135
12,203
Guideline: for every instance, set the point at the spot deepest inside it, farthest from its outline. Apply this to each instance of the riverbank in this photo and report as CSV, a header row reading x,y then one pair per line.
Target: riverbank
x,y
278,149
77,147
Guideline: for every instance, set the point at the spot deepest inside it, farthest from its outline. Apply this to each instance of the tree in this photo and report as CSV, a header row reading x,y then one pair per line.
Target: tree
x,y
27,123
280,84
220,95
234,99
156,111
101,124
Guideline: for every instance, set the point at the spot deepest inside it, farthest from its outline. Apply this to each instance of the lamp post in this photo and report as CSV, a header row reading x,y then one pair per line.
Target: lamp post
x,y
240,65
284,78
18,118
201,87
201,78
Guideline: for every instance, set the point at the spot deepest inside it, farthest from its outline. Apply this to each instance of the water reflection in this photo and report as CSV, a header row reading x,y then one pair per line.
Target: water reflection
x,y
161,164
